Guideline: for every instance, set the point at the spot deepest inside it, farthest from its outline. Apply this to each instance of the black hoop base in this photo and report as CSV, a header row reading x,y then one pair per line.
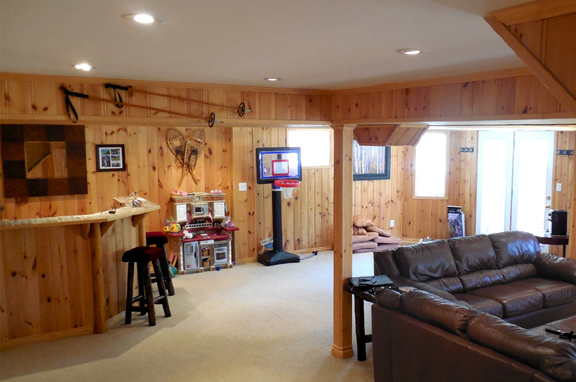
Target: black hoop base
x,y
275,258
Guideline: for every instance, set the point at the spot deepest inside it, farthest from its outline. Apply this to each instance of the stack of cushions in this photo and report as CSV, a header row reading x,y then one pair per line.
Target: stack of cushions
x,y
367,237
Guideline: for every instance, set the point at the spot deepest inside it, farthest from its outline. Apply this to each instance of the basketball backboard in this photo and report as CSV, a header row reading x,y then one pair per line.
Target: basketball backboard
x,y
277,163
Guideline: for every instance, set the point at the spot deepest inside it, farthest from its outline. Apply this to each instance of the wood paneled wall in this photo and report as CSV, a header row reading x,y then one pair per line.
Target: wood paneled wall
x,y
48,287
416,218
565,173
552,42
33,98
46,283
541,33
307,218
516,94
121,237
229,154
427,217
383,200
150,170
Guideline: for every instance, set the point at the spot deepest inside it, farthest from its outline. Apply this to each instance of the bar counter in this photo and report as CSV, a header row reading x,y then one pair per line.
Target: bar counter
x,y
63,276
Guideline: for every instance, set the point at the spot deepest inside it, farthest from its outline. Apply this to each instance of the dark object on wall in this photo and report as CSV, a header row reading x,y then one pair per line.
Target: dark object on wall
x,y
564,152
21,180
110,158
241,109
559,220
73,115
456,222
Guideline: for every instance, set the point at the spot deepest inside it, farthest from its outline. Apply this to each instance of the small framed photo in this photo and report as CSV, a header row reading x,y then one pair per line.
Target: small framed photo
x,y
110,158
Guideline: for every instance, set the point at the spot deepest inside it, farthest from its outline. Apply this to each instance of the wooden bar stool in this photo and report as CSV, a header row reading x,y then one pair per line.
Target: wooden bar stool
x,y
142,256
159,239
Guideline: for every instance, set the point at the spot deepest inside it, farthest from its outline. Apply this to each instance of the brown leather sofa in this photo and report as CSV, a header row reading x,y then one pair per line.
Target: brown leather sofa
x,y
465,316
503,274
418,336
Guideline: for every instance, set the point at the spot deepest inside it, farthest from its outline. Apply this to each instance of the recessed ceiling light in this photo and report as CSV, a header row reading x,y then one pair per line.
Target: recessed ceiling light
x,y
83,66
409,51
272,79
143,18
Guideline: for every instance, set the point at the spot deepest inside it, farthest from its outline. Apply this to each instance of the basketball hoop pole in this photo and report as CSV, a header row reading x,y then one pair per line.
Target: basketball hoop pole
x,y
277,255
277,219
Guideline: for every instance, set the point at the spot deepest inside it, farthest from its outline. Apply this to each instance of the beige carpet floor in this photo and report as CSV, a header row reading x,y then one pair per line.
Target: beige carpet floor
x,y
249,323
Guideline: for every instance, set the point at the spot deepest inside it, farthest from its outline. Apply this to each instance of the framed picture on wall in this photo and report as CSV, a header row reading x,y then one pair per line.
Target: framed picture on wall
x,y
110,158
371,162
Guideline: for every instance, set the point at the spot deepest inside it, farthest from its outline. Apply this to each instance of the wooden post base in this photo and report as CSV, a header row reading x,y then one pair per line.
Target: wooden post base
x,y
342,353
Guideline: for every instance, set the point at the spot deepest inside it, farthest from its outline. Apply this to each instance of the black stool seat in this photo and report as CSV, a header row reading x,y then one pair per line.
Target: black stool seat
x,y
141,257
145,254
156,238
159,239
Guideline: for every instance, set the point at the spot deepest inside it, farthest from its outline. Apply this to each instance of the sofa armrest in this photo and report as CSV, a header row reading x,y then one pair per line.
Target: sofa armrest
x,y
402,281
556,268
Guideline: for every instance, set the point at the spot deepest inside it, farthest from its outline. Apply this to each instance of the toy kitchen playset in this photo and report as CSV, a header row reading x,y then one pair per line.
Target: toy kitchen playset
x,y
205,238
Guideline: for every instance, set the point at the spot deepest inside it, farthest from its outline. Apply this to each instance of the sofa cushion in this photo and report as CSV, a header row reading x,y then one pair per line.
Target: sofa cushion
x,y
401,281
481,304
518,272
514,247
480,279
437,311
515,300
448,284
554,292
422,262
473,253
535,350
384,263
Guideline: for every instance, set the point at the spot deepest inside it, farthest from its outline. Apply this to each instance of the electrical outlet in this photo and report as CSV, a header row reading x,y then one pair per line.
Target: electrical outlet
x,y
242,187
558,186
391,223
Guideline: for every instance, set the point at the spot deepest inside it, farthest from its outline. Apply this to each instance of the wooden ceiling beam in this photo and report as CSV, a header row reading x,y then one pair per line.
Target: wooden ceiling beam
x,y
544,75
536,10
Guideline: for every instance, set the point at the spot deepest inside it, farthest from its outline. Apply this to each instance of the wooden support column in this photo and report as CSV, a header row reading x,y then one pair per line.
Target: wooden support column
x,y
343,136
99,292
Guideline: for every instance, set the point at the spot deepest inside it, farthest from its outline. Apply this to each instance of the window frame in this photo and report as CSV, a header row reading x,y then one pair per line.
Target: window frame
x,y
375,176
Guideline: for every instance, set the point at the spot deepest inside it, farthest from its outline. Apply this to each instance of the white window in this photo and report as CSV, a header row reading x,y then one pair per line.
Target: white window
x,y
315,146
431,162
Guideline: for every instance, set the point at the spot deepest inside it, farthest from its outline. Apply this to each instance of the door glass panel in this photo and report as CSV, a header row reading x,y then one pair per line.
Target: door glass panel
x,y
531,180
493,197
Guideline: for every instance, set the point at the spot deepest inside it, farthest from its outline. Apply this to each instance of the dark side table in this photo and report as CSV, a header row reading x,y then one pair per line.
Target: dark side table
x,y
546,238
359,297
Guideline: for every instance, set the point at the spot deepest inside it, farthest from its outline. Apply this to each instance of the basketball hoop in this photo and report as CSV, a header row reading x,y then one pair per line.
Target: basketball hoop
x,y
287,186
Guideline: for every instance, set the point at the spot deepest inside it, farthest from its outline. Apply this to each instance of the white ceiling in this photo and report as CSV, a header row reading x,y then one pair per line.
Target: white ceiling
x,y
320,44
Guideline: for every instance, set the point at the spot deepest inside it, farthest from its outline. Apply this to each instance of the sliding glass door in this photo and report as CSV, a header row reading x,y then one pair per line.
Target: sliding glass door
x,y
514,180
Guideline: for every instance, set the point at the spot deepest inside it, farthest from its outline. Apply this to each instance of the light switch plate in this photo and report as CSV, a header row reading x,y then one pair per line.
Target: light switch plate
x,y
391,223
242,187
558,186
